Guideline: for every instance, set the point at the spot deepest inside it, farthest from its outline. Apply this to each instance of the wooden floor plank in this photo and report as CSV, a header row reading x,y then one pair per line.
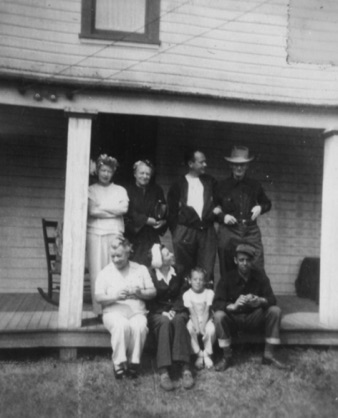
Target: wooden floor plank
x,y
5,318
45,319
25,305
19,303
35,305
42,304
9,301
37,317
9,304
53,321
33,320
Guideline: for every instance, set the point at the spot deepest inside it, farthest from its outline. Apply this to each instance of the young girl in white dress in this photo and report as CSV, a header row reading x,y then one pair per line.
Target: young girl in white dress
x,y
198,299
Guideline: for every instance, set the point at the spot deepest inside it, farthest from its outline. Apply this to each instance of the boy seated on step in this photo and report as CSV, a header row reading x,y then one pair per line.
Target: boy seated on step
x,y
198,299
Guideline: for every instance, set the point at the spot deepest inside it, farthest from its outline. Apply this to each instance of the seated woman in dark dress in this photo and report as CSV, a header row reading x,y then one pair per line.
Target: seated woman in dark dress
x,y
167,318
146,218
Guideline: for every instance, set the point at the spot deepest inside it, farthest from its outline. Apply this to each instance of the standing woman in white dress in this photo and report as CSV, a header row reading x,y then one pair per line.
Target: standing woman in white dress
x,y
107,203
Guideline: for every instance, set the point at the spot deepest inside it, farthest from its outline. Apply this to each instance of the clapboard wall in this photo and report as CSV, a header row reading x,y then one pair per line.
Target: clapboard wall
x,y
222,48
313,32
32,182
288,163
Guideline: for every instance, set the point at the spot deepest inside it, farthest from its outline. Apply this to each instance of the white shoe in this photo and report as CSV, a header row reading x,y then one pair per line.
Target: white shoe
x,y
199,363
207,361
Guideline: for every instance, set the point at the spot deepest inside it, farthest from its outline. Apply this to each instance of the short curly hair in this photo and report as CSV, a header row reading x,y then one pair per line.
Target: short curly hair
x,y
147,163
120,241
105,159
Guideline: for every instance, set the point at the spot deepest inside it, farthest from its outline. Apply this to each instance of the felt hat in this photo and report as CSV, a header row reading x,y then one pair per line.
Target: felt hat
x,y
239,155
246,249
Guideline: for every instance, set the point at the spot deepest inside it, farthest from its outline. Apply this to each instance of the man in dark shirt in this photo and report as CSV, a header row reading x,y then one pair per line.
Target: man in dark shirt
x,y
241,201
191,202
245,302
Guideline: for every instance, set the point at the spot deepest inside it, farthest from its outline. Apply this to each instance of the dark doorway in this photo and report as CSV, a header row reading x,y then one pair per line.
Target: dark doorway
x,y
127,138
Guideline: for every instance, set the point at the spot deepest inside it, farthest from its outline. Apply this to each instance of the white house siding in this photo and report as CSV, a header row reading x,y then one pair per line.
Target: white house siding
x,y
289,165
313,32
226,48
32,181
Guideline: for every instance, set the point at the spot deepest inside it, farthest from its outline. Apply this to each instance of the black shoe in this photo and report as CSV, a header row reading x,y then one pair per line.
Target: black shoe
x,y
223,364
133,370
119,373
274,363
166,383
187,379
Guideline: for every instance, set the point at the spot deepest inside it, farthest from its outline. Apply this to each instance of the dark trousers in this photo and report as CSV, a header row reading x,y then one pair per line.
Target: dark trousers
x,y
195,247
142,243
172,337
266,321
228,239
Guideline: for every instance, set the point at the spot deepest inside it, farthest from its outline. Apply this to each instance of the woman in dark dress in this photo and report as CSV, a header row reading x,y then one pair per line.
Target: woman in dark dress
x,y
145,221
168,317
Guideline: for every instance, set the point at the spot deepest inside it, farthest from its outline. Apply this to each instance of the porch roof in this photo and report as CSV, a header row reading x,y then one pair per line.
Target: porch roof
x,y
92,99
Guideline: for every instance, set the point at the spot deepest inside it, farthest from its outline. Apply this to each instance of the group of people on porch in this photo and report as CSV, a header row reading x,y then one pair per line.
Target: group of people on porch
x,y
137,283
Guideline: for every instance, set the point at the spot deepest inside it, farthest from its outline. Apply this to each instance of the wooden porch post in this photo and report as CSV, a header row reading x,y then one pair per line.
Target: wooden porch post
x,y
328,302
75,215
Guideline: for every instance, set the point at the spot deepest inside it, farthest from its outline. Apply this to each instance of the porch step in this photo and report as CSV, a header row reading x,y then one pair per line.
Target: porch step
x,y
27,321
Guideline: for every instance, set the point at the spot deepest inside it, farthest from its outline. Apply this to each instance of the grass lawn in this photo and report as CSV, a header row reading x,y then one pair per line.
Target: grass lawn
x,y
37,384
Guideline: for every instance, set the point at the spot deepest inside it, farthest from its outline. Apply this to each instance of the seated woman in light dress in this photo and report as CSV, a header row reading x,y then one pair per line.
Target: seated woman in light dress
x,y
107,203
121,288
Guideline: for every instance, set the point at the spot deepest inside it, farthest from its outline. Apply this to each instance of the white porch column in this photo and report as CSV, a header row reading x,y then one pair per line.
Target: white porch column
x,y
75,216
328,303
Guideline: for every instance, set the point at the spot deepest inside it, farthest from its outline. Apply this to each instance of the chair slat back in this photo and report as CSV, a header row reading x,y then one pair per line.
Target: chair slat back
x,y
49,229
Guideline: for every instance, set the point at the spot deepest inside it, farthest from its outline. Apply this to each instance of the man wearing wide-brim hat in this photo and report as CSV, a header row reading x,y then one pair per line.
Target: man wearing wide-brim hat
x,y
241,200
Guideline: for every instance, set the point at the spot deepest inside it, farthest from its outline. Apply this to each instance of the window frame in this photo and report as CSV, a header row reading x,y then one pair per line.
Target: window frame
x,y
152,25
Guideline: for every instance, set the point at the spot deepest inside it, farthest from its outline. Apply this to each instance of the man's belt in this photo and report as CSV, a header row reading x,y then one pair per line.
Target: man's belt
x,y
242,222
200,227
246,222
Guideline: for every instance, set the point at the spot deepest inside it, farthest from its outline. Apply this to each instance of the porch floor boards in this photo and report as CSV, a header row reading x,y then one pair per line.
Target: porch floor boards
x,y
27,320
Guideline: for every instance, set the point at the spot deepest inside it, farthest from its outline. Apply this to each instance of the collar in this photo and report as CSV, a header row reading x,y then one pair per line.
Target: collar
x,y
244,279
234,181
201,177
188,176
254,277
167,279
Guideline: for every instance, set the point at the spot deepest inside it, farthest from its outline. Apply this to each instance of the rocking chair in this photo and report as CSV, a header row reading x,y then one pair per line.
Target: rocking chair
x,y
53,259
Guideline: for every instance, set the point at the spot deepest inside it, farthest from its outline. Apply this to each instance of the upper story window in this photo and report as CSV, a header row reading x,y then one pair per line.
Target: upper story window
x,y
121,20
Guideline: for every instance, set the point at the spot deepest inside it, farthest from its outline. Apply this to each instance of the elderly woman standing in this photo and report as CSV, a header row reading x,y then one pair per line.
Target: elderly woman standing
x,y
107,203
146,217
121,288
168,318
